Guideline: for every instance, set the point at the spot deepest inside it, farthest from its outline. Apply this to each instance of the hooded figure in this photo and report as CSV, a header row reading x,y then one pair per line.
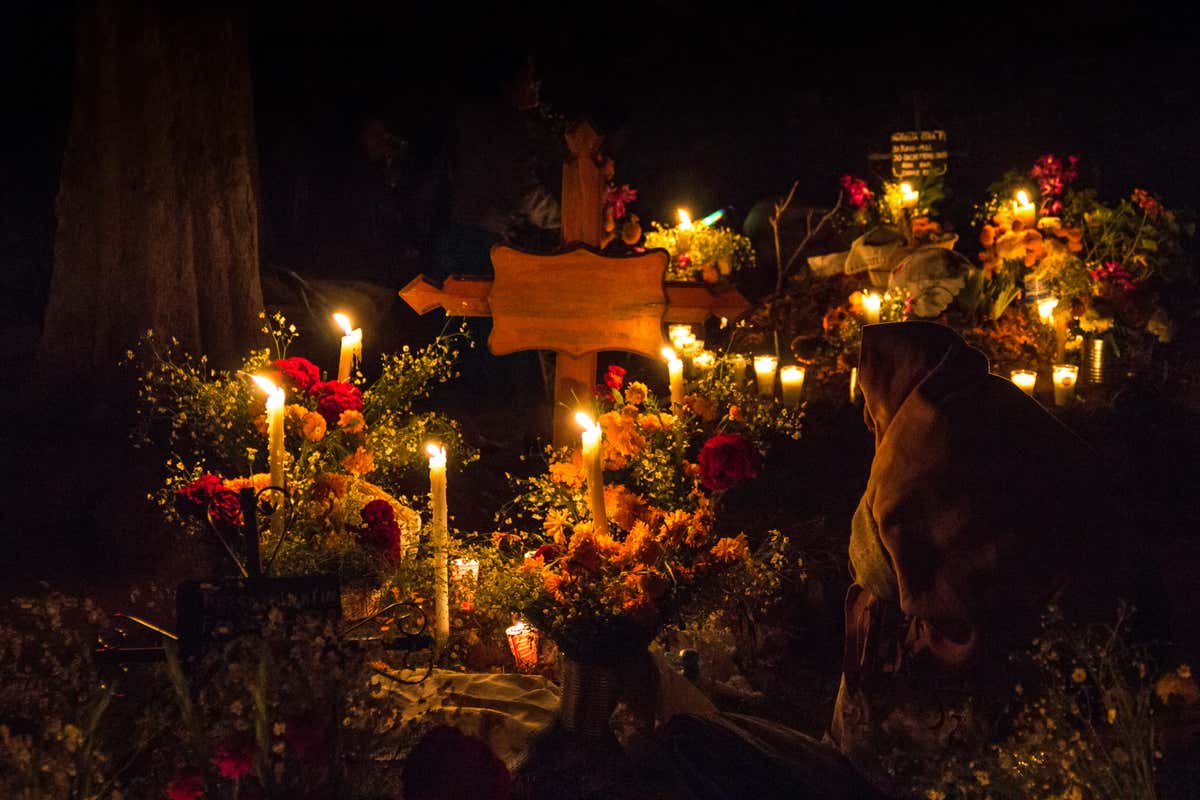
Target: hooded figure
x,y
974,519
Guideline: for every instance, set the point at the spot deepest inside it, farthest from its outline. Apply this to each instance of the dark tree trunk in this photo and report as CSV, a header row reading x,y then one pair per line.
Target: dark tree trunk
x,y
157,208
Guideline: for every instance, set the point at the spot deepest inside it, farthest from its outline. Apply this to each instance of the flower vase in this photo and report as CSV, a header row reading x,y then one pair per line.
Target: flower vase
x,y
590,693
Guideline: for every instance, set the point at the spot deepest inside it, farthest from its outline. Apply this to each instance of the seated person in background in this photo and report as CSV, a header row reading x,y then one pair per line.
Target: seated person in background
x,y
971,523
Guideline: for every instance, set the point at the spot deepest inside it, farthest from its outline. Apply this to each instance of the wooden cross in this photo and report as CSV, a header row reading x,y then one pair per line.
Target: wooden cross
x,y
576,301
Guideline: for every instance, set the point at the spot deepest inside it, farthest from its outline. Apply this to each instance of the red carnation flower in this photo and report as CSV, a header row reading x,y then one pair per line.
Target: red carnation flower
x,y
857,193
334,397
725,460
547,552
188,784
380,531
298,373
207,496
378,512
615,377
235,757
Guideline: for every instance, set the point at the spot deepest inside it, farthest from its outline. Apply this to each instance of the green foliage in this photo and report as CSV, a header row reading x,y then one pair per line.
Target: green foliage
x,y
701,252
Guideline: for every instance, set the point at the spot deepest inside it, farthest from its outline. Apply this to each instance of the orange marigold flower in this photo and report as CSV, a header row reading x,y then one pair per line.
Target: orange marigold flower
x,y
675,526
351,421
731,549
502,538
656,422
702,407
641,546
360,462
567,473
623,506
555,526
621,432
636,393
557,584
856,303
260,424
330,484
294,412
583,552
652,584
736,414
313,426
257,482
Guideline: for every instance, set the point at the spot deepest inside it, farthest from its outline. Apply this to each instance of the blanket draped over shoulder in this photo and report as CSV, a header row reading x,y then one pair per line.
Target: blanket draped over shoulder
x,y
973,520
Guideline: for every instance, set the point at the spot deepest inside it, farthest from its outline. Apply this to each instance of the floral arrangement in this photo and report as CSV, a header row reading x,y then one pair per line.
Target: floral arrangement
x,y
345,442
665,471
701,252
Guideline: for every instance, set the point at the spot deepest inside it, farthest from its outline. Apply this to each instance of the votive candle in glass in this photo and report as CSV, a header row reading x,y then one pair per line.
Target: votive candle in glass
x,y
872,303
1025,379
791,382
764,371
703,362
1065,376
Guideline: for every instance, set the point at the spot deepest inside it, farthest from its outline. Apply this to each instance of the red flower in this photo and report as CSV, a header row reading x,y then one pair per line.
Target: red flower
x,y
378,512
380,531
206,496
334,397
857,193
188,784
298,373
1054,178
547,552
602,392
615,377
616,197
1115,275
727,459
1148,203
235,757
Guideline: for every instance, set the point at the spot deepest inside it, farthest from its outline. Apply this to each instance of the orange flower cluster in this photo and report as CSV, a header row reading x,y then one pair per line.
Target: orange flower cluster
x,y
1007,239
622,436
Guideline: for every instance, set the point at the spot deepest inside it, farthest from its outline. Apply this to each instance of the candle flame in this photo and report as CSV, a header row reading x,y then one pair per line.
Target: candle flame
x,y
344,321
274,393
586,422
871,302
1022,198
685,219
435,450
1046,308
669,354
264,383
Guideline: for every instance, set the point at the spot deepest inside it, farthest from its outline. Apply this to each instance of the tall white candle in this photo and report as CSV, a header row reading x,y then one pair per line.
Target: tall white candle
x,y
275,450
439,536
593,470
871,306
764,371
791,381
351,354
1065,376
675,374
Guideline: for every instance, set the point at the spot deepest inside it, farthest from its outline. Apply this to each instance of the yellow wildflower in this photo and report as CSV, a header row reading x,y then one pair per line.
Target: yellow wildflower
x,y
313,426
351,421
555,526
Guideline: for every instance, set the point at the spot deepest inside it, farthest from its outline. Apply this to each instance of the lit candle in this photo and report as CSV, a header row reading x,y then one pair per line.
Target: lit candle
x,y
523,641
871,306
464,572
791,381
704,361
593,471
854,384
764,370
683,235
1065,376
678,333
440,538
1046,308
275,452
351,347
737,363
908,196
685,220
1025,379
1024,211
675,374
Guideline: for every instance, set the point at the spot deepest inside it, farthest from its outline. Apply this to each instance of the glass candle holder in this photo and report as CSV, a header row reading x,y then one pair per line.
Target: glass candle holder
x,y
737,367
791,382
764,371
872,304
1025,379
523,641
1065,377
703,362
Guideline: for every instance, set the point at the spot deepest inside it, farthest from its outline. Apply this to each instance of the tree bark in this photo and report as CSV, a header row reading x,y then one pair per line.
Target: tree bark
x,y
157,209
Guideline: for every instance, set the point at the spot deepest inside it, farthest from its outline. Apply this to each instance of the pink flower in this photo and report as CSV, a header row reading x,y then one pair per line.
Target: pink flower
x,y
188,784
1115,275
1054,178
857,193
616,198
235,757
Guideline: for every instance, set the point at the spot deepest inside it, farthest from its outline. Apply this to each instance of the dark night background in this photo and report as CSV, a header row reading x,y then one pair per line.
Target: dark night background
x,y
702,108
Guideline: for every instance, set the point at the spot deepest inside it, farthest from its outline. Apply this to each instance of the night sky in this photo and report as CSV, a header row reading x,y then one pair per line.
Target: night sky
x,y
703,107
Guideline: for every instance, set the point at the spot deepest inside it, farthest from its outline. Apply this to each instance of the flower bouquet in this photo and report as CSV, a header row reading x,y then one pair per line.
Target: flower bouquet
x,y
346,445
700,252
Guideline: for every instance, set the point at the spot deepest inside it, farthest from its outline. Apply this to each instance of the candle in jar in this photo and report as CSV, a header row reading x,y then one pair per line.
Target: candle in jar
x,y
1065,376
1025,379
275,450
675,374
1046,308
440,539
871,307
1024,211
908,196
593,470
764,371
791,382
704,361
737,363
678,333
351,354
523,641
